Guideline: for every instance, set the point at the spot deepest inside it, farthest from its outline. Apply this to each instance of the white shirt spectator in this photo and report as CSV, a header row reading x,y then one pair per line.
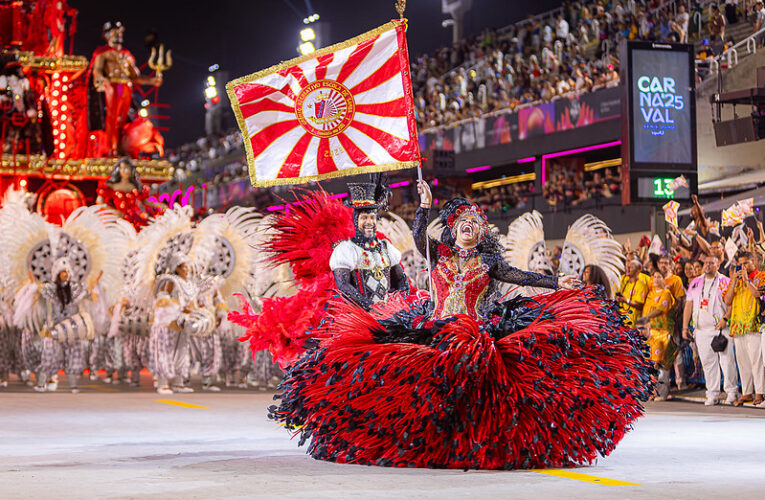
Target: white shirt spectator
x,y
682,19
548,35
619,12
548,58
759,23
561,30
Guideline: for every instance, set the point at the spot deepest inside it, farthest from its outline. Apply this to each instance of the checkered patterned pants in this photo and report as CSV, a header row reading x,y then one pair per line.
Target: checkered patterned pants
x,y
207,351
105,354
31,350
10,351
71,356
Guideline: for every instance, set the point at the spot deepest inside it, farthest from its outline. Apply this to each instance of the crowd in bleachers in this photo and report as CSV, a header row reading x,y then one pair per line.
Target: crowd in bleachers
x,y
574,51
568,186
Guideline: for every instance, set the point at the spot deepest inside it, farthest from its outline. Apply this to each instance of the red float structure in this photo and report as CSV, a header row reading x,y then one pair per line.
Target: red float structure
x,y
53,114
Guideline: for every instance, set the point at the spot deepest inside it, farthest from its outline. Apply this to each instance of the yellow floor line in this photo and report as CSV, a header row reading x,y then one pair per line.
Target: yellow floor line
x,y
584,477
180,403
101,388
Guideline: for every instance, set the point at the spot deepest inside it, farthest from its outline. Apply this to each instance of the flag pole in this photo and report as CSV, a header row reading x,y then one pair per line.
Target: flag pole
x,y
427,236
400,8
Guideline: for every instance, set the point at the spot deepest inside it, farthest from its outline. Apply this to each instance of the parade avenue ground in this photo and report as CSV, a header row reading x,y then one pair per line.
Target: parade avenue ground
x,y
116,443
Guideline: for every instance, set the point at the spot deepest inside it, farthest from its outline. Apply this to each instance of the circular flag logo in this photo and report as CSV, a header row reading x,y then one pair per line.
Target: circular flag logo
x,y
325,108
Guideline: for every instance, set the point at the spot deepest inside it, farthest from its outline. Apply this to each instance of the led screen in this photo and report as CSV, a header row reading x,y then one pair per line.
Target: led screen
x,y
661,113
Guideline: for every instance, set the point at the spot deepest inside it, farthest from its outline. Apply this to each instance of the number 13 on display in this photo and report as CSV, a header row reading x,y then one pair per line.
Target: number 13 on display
x,y
662,188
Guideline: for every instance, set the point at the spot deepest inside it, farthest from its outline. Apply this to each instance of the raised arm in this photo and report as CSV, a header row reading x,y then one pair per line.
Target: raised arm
x,y
421,220
420,233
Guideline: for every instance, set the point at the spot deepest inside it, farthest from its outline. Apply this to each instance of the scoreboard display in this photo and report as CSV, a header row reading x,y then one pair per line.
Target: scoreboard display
x,y
659,119
660,188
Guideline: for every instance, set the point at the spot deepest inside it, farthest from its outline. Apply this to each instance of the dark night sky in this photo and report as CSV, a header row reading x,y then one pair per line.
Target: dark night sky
x,y
246,36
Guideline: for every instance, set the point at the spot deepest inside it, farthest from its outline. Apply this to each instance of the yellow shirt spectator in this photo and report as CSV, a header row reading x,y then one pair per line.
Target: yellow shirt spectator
x,y
658,307
745,308
634,294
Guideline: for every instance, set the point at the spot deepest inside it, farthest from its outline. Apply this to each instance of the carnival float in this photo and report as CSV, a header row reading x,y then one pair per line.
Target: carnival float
x,y
66,118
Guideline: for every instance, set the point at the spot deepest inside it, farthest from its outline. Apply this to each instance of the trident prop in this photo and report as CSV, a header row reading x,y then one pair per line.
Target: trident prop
x,y
162,61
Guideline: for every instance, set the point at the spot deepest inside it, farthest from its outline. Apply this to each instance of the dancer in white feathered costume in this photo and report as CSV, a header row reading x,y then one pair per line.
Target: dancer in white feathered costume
x,y
14,206
178,316
107,349
131,316
68,329
167,283
24,248
588,242
10,336
72,273
227,245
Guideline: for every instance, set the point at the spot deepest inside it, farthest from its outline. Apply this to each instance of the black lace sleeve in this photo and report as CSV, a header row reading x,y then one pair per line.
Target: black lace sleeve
x,y
502,271
398,280
344,283
420,232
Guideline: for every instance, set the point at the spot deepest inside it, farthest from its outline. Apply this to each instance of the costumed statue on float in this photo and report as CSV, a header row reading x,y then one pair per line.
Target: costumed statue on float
x,y
124,192
114,72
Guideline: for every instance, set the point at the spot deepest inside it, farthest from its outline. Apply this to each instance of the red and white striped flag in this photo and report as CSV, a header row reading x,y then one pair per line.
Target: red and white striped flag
x,y
343,110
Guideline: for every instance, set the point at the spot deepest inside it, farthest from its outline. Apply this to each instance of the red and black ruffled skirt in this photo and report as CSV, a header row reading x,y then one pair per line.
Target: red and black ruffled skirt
x,y
552,381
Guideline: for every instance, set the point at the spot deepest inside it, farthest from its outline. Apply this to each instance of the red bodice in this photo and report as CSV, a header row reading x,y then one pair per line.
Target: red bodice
x,y
458,284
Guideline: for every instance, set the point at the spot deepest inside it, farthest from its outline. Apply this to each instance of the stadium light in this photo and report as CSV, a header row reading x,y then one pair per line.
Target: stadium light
x,y
145,103
307,34
213,68
211,81
143,112
306,48
211,92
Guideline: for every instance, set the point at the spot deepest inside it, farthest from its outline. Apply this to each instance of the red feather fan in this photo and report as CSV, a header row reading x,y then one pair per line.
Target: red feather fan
x,y
304,238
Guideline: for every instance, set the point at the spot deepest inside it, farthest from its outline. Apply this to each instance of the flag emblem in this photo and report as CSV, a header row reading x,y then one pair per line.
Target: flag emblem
x,y
325,108
343,110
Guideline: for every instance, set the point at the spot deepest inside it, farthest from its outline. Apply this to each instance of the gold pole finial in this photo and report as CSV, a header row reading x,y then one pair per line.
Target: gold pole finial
x,y
400,8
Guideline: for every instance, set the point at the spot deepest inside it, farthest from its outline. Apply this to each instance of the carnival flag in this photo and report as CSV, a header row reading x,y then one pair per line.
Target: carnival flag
x,y
747,206
670,212
342,110
733,216
714,227
656,246
678,182
730,249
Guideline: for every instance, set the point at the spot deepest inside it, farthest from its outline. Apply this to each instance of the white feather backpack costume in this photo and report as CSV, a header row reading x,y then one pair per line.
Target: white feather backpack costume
x,y
588,242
